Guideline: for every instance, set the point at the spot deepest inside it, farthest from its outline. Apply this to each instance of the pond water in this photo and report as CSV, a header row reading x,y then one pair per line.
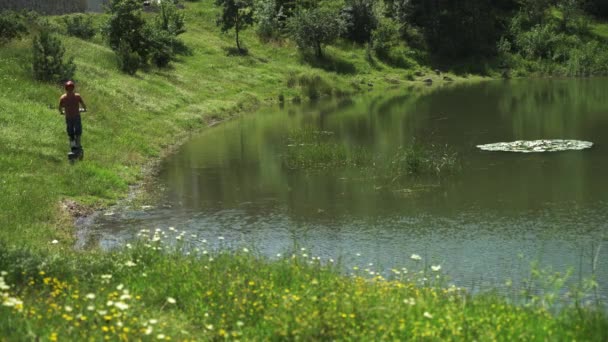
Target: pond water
x,y
483,225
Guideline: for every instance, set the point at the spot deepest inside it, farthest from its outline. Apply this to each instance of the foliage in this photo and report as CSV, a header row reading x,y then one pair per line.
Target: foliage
x,y
360,20
313,28
387,43
48,61
170,19
127,23
534,11
270,19
237,15
553,43
11,26
128,32
80,25
161,46
457,29
128,60
598,8
539,42
590,59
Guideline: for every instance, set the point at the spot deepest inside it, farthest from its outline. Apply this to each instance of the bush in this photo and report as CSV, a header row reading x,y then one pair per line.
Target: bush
x,y
161,46
128,33
588,59
170,19
313,28
126,25
385,36
48,62
128,60
80,25
360,20
314,86
11,26
268,19
538,42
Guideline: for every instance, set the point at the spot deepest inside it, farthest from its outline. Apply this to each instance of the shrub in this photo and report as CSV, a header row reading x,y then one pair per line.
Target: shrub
x,y
11,26
126,25
48,64
385,36
313,28
314,86
170,19
538,42
128,60
161,46
128,33
588,59
268,19
80,25
360,20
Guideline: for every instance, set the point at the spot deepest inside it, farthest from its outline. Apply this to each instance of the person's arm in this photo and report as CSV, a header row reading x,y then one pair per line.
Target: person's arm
x,y
61,107
84,106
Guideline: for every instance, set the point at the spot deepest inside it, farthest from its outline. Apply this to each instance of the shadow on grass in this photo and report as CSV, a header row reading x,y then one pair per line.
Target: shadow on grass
x,y
233,51
329,62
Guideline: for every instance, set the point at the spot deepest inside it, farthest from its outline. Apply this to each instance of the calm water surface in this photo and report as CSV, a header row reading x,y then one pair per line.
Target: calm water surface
x,y
484,225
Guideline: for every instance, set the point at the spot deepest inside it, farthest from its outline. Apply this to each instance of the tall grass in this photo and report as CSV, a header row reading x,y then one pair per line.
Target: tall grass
x,y
220,294
308,149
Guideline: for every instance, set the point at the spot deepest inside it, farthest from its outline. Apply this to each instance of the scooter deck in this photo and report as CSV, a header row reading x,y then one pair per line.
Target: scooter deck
x,y
76,154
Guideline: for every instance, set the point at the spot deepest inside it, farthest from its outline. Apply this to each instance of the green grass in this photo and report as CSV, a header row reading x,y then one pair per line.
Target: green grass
x,y
133,120
600,29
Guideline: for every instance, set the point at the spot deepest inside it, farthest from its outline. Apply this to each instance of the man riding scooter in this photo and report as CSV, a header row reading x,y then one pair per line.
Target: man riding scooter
x,y
69,105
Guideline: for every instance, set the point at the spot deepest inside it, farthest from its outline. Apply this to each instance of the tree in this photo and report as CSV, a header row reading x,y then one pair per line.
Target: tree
x,y
312,28
48,64
360,20
459,29
169,18
597,8
11,26
237,14
127,24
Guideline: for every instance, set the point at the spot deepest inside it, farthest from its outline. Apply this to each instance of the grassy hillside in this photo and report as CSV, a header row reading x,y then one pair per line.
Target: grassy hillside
x,y
133,119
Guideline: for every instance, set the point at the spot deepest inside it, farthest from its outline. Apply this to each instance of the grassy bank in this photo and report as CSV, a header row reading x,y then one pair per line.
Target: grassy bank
x,y
51,292
125,295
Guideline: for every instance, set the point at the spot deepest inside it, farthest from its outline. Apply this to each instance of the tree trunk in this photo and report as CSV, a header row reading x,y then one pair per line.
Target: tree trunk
x,y
319,52
236,29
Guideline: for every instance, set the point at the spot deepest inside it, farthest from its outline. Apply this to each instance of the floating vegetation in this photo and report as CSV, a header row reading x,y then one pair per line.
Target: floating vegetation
x,y
318,150
528,146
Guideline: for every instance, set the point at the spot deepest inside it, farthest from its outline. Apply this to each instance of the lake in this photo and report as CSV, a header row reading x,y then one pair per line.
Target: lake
x,y
484,224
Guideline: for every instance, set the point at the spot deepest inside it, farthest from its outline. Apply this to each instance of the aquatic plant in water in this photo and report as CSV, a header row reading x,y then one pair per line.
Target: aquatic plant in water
x,y
528,146
308,149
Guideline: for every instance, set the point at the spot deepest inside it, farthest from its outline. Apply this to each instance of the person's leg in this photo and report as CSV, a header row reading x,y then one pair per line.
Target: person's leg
x,y
70,130
77,131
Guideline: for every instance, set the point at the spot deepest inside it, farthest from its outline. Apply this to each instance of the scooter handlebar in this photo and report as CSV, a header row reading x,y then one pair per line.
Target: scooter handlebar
x,y
81,110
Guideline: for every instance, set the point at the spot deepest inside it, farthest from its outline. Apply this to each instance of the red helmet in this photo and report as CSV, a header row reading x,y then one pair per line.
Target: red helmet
x,y
69,85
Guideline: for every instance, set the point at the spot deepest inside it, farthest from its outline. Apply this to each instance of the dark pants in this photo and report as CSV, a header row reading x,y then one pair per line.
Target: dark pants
x,y
74,127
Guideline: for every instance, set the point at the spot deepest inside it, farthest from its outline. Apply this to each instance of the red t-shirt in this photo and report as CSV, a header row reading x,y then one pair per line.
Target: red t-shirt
x,y
71,104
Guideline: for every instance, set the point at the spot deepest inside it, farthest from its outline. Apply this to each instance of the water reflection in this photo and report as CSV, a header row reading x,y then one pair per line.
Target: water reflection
x,y
550,207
